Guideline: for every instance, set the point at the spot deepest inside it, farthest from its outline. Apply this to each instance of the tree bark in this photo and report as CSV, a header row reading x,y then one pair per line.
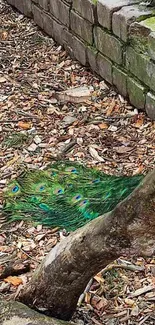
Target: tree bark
x,y
15,313
63,275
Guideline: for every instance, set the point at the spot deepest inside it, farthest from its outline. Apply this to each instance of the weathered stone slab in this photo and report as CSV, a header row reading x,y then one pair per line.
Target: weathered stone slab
x,y
47,24
108,44
122,19
151,45
86,8
138,36
150,105
23,6
120,80
37,15
44,4
81,27
60,10
105,68
141,66
136,93
92,59
105,10
58,32
53,28
79,51
68,42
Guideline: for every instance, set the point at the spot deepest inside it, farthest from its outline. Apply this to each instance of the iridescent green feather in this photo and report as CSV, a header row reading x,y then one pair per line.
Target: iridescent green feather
x,y
66,195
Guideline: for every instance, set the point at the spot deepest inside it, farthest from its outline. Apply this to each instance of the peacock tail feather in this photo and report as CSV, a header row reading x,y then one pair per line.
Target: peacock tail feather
x,y
66,194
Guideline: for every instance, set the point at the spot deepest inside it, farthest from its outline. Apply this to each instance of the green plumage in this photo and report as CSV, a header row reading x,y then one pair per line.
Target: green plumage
x,y
67,195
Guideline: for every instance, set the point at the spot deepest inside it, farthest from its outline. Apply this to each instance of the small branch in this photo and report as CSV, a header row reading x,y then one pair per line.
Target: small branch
x,y
129,267
81,298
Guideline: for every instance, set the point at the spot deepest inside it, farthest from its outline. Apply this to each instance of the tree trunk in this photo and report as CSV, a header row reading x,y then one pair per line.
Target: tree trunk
x,y
63,275
13,312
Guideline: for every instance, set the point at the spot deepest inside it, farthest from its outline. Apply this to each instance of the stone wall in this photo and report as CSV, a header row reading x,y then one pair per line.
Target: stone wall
x,y
116,38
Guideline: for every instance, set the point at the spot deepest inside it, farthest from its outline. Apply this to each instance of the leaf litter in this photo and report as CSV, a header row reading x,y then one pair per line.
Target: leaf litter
x,y
50,108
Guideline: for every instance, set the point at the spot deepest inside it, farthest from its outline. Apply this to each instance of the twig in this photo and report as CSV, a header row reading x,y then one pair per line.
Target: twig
x,y
29,256
143,290
130,267
81,298
143,320
66,149
16,121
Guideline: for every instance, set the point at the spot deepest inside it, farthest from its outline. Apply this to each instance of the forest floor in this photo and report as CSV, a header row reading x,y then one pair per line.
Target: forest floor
x,y
40,123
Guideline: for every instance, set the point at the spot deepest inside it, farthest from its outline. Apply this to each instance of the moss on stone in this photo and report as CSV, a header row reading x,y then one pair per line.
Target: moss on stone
x,y
140,43
150,23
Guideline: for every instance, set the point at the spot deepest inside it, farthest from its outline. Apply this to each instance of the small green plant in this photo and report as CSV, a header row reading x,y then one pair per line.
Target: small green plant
x,y
16,140
94,2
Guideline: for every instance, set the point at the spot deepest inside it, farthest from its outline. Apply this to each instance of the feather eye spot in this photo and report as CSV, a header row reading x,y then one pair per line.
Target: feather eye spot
x,y
95,181
69,185
73,170
15,189
107,195
77,198
59,191
44,207
53,173
42,188
83,203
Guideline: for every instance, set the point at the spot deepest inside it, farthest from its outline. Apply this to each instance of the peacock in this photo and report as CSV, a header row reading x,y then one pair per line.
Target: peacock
x,y
67,195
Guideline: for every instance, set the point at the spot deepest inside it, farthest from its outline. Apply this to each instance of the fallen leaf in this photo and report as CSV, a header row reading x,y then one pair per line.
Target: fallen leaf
x,y
122,149
69,120
110,108
129,302
112,128
135,311
14,280
95,154
87,297
103,126
99,303
139,122
24,125
3,35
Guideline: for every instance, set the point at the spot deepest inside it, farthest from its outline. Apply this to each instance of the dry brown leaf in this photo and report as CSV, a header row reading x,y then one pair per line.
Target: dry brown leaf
x,y
110,108
122,149
135,311
103,126
24,125
139,170
87,298
95,154
99,278
3,35
99,303
14,280
129,302
139,122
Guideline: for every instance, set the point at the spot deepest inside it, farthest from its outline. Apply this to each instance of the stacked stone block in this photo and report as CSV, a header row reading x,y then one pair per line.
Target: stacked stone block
x,y
116,38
